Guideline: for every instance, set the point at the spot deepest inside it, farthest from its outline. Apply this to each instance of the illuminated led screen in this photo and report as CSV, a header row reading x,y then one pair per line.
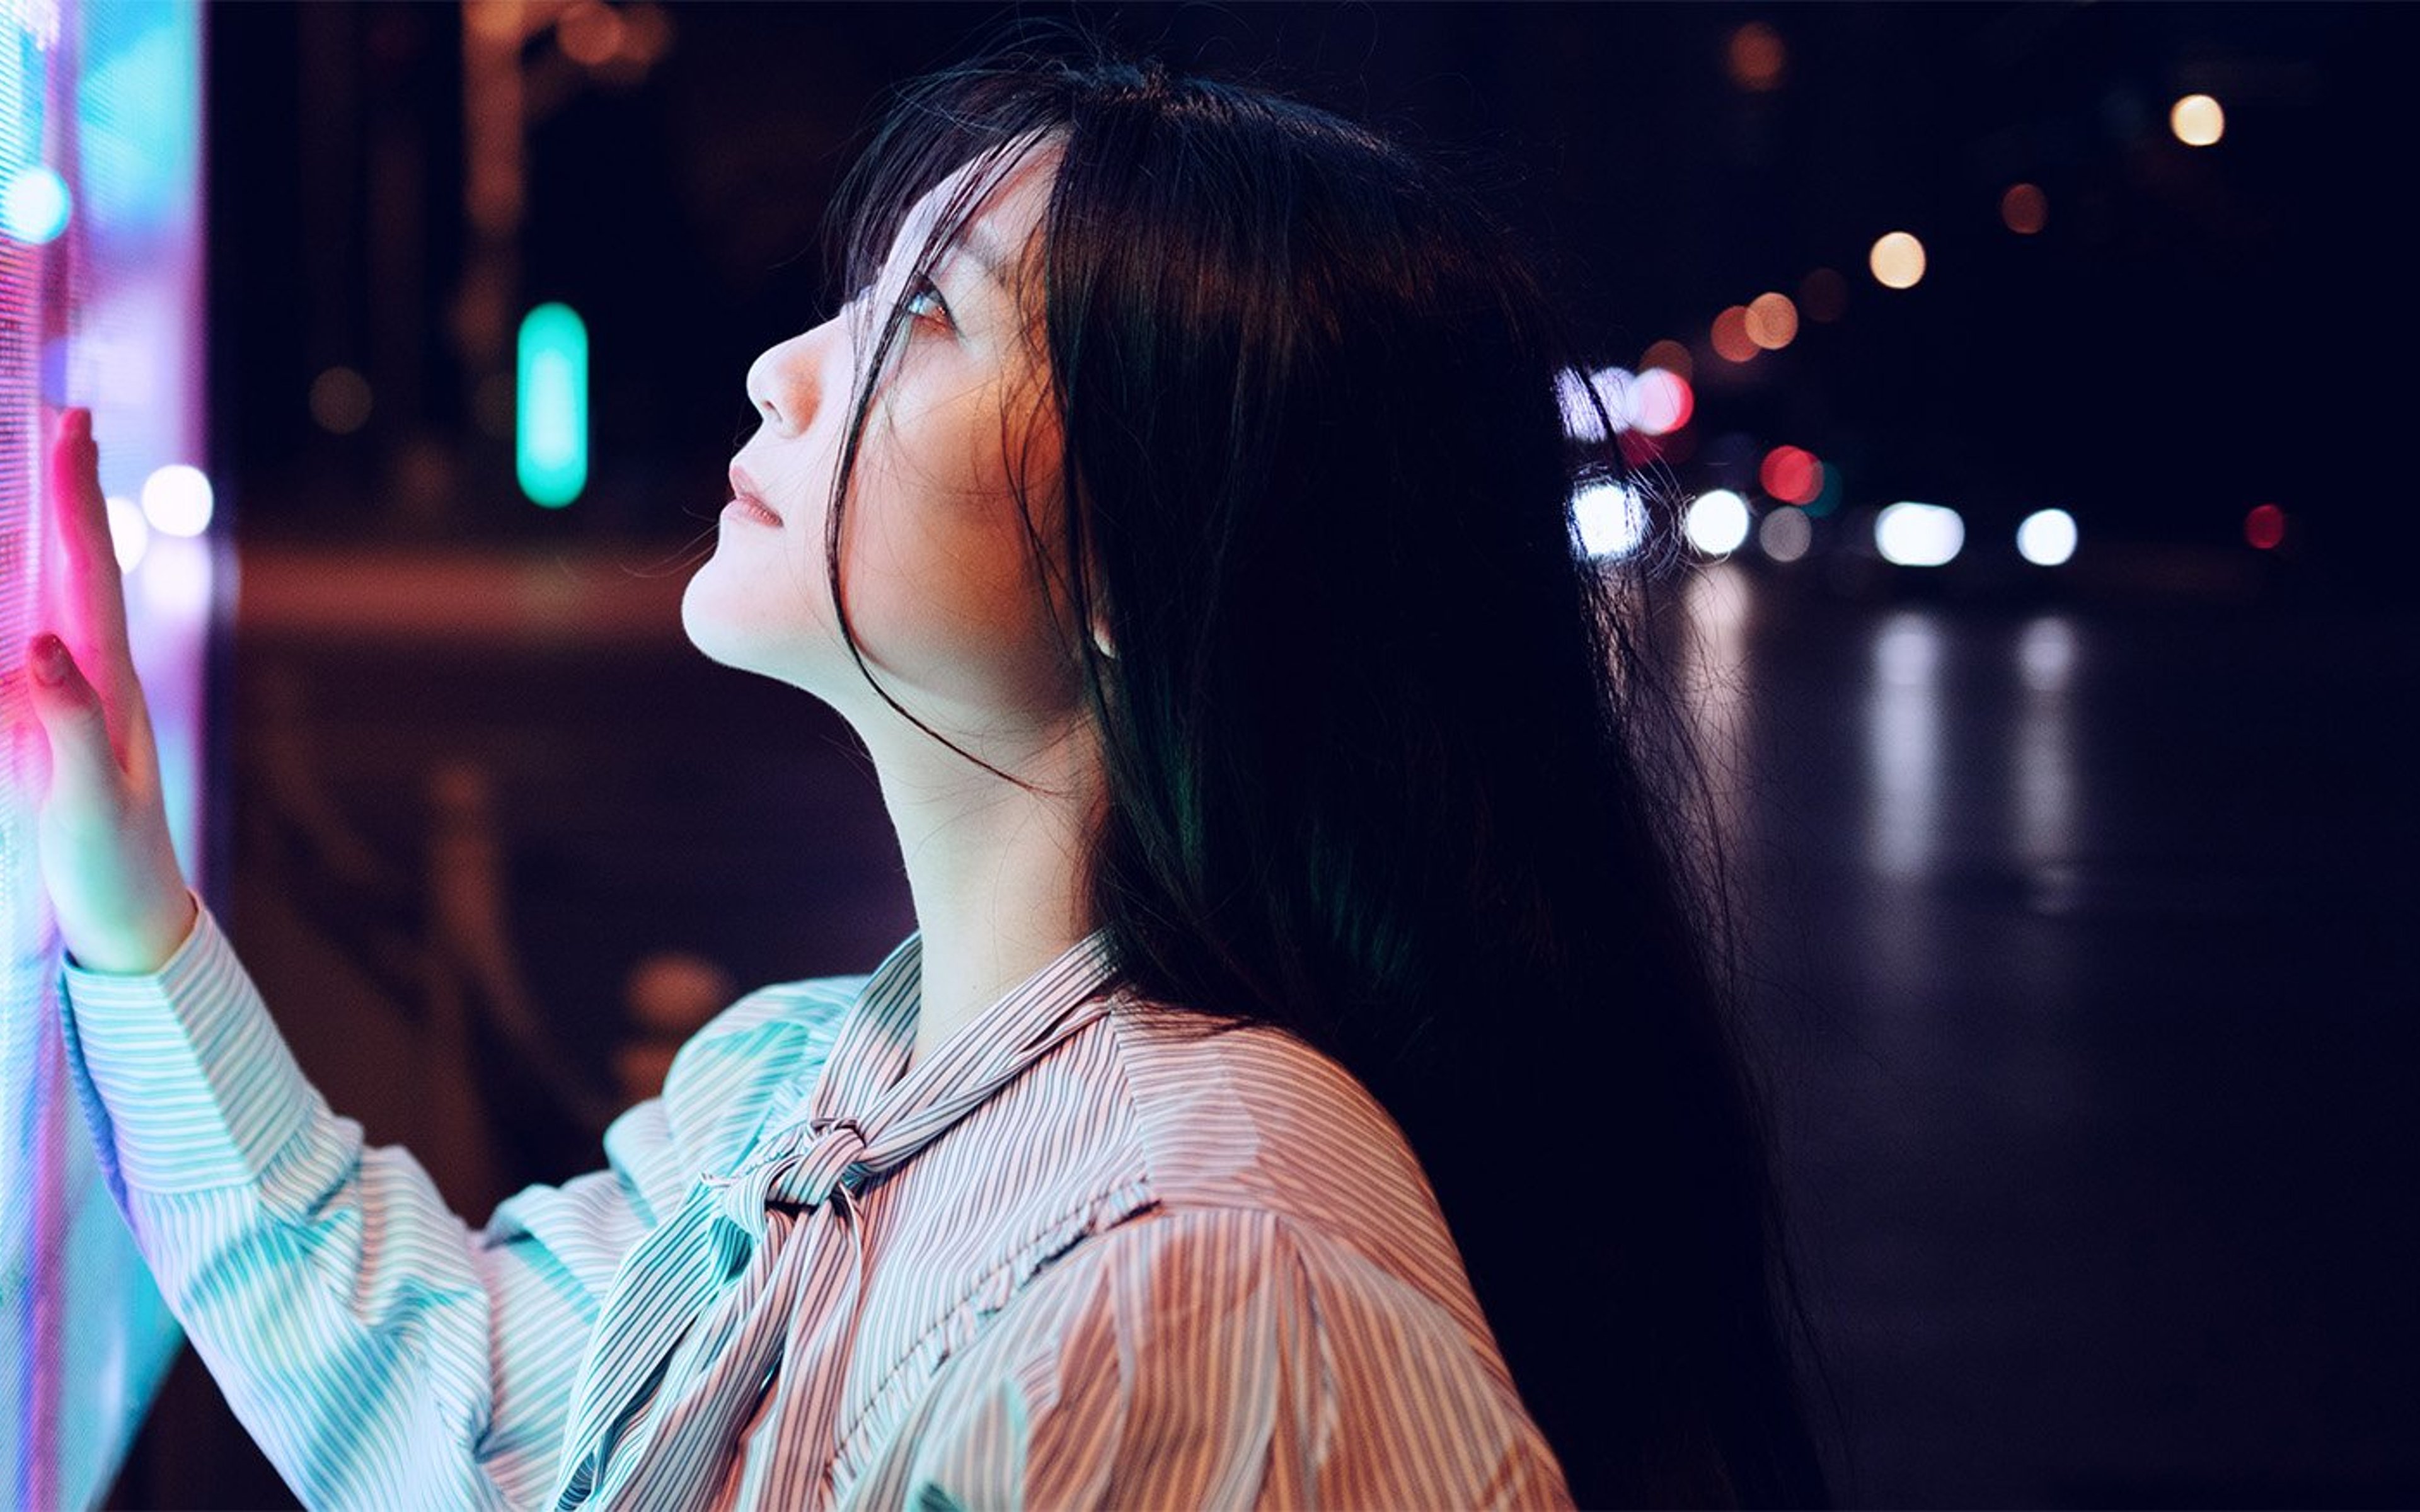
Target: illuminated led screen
x,y
101,301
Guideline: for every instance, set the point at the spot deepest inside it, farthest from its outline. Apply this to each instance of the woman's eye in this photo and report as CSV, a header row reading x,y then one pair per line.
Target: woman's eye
x,y
920,289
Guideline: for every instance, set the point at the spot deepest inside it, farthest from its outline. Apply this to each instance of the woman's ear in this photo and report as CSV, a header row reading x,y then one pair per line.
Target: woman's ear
x,y
1101,640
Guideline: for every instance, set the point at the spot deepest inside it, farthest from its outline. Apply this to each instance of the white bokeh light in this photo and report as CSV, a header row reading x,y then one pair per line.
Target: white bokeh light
x,y
2046,537
1786,534
1658,401
1910,535
1610,518
35,204
1717,522
177,500
1655,402
129,532
2197,120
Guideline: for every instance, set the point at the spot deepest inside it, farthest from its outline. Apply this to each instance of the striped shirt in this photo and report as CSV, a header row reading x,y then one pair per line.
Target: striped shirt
x,y
1068,1259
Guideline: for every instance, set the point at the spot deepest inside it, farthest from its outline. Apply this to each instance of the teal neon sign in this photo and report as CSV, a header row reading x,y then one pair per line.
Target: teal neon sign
x,y
550,409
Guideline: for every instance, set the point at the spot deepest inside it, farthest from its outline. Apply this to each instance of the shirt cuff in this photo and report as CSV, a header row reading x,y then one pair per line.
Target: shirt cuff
x,y
201,1089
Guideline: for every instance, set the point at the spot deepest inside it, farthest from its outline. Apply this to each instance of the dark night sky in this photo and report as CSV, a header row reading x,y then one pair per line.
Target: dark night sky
x,y
2195,332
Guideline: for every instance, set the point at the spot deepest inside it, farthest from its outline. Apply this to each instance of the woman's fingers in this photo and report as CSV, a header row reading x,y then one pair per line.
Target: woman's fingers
x,y
88,606
116,889
87,601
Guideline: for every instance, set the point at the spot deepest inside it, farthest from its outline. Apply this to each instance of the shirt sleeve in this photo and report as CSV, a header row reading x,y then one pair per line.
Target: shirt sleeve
x,y
381,1352
1230,1358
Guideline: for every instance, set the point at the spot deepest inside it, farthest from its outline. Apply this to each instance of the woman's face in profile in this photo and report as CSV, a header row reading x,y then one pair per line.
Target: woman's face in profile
x,y
936,565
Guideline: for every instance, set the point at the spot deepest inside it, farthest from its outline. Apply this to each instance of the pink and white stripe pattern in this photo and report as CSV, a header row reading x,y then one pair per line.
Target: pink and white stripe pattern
x,y
1068,1260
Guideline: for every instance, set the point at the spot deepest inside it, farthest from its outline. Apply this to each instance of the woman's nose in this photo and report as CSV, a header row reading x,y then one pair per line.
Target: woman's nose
x,y
782,383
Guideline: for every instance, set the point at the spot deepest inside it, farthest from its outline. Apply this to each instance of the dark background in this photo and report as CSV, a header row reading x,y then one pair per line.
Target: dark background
x,y
2079,902
2196,331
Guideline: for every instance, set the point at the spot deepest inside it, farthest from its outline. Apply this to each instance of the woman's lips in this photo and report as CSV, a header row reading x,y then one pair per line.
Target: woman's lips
x,y
744,490
749,510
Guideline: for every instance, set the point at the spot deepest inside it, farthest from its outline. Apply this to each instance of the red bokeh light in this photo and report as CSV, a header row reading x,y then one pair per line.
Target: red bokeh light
x,y
1792,474
2264,527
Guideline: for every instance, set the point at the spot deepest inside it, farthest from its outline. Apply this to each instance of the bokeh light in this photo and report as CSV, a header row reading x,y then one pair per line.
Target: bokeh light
x,y
648,31
1651,403
129,533
1824,296
177,499
2024,210
2046,537
1827,496
1754,57
1609,519
2264,527
1730,335
340,400
1732,451
1670,356
1716,522
1910,535
2197,120
1660,402
1897,260
1772,321
34,206
589,33
1791,474
1785,534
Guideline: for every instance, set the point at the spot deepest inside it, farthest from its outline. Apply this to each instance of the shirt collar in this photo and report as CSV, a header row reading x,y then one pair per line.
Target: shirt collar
x,y
868,1064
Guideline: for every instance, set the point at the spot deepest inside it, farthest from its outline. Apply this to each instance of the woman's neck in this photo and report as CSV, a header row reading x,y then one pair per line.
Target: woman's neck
x,y
996,871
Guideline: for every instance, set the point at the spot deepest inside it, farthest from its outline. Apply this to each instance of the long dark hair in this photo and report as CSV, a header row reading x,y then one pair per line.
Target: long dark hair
x,y
1387,763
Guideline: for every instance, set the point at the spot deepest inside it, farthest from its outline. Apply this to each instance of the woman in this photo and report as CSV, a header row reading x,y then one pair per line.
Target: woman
x,y
1306,1082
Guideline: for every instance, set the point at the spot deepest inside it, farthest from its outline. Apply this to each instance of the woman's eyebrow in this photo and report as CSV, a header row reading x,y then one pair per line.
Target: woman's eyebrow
x,y
985,253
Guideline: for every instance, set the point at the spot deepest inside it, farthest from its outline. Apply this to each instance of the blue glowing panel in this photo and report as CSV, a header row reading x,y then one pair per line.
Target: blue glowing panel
x,y
99,307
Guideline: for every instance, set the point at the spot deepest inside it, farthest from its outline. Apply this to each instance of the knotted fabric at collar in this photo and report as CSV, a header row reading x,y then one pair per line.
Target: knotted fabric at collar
x,y
755,1283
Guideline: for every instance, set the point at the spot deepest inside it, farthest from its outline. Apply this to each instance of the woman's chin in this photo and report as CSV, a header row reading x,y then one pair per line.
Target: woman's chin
x,y
702,620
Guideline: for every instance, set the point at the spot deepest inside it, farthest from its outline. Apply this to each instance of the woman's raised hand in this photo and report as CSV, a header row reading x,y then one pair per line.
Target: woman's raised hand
x,y
107,859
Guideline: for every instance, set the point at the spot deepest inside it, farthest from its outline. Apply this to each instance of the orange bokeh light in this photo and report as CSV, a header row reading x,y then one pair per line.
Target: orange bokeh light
x,y
1772,321
1729,336
1671,357
1754,57
2024,209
